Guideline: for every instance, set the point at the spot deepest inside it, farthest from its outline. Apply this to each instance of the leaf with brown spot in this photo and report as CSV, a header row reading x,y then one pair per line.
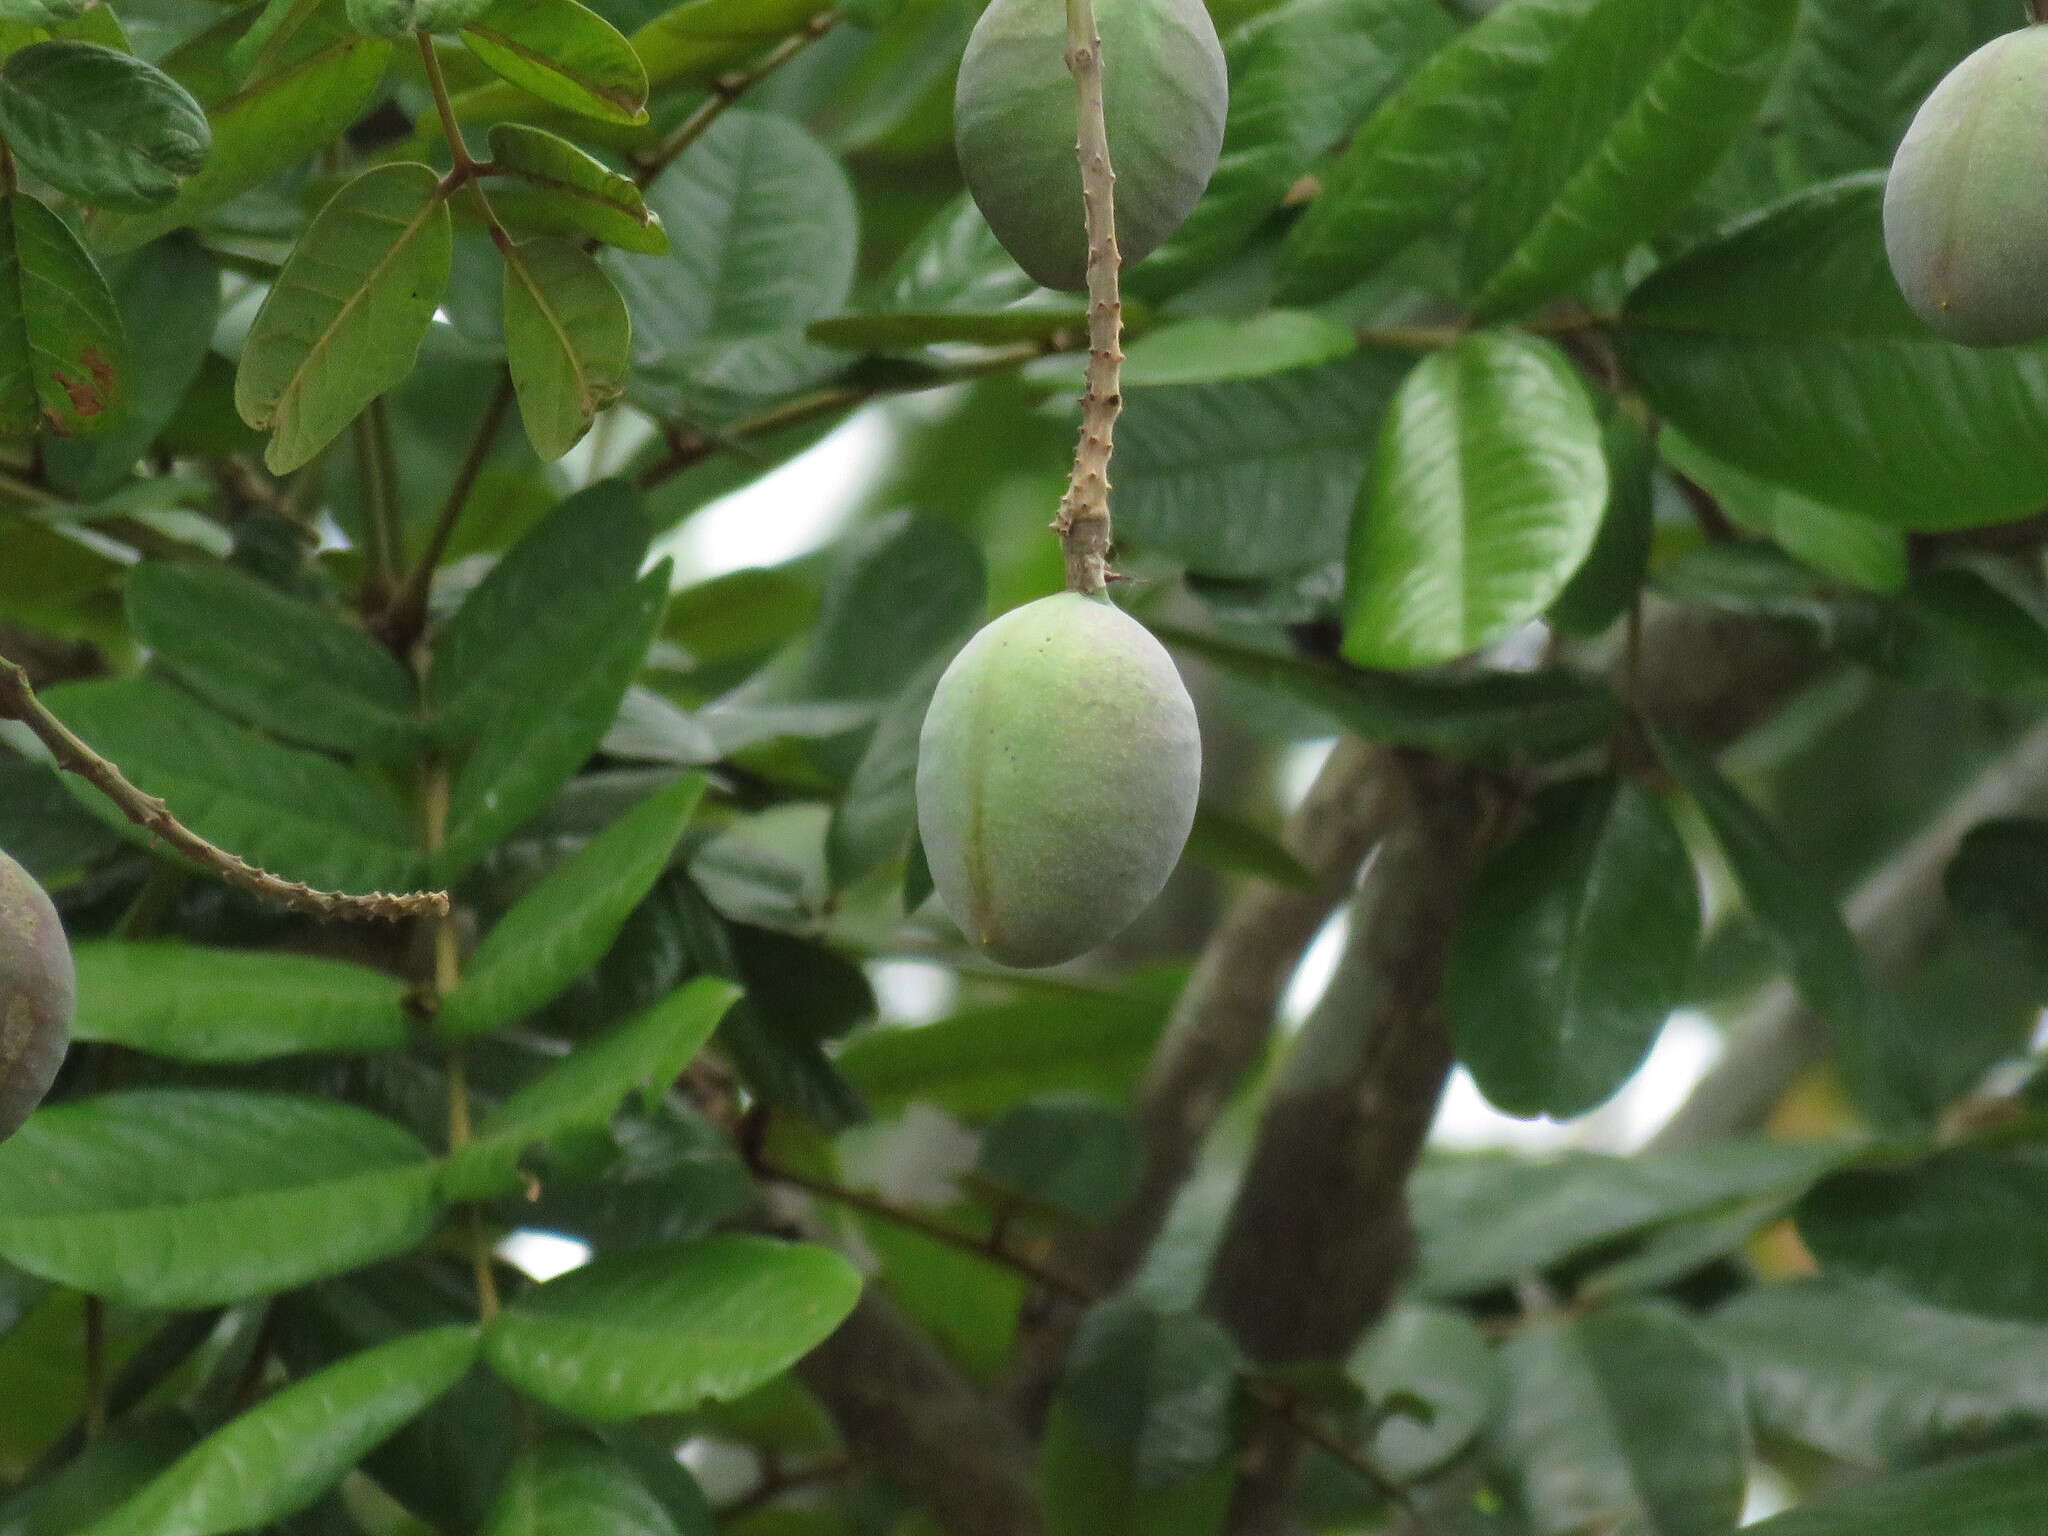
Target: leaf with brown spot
x,y
63,351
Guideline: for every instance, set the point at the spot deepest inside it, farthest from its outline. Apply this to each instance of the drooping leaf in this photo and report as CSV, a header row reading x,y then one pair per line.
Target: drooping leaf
x,y
568,340
1576,944
660,1330
568,1486
560,190
564,54
345,318
1484,499
63,349
221,1005
282,1455
279,662
196,1197
102,126
1629,119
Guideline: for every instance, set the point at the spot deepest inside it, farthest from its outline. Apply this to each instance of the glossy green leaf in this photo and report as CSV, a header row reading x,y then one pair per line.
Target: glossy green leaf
x,y
1958,1230
1624,1418
1485,497
283,1454
573,1487
1852,400
1630,117
1428,150
564,924
660,1330
560,190
1576,943
224,1005
299,814
1875,1378
101,126
564,54
1803,923
62,364
568,340
586,1089
696,42
196,1197
1250,477
2003,1495
345,318
298,670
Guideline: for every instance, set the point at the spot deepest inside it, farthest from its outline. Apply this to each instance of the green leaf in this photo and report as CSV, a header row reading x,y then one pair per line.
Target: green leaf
x,y
573,1487
192,1004
168,302
904,589
1630,118
345,318
563,191
564,925
1960,1229
1623,1418
586,1089
306,99
662,1329
568,340
1236,845
1251,477
292,667
403,18
299,814
1076,1155
62,364
1485,497
2004,1495
1439,1357
696,42
1576,944
100,1478
1853,401
1205,349
41,13
1999,875
901,329
283,1454
1427,151
1610,581
1867,1375
197,1197
101,126
877,816
1803,922
564,54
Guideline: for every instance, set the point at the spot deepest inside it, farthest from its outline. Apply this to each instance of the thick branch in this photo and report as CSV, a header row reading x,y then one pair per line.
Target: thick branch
x,y
18,701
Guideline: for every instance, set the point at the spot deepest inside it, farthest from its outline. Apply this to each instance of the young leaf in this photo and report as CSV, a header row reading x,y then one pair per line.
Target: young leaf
x,y
101,126
277,661
222,1005
566,923
563,191
568,1486
1485,497
199,1197
61,364
565,55
345,318
279,1457
1575,946
663,1329
1623,1417
568,339
1631,117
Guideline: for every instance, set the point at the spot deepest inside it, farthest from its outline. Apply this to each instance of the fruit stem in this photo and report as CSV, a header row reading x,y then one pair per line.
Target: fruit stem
x,y
1083,521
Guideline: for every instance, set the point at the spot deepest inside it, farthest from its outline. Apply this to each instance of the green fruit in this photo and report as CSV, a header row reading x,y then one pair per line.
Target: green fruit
x,y
1966,208
38,994
1056,779
1164,92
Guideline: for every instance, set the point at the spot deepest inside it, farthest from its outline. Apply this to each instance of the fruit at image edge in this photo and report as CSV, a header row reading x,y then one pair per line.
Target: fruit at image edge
x,y
1057,776
1966,205
38,995
1165,92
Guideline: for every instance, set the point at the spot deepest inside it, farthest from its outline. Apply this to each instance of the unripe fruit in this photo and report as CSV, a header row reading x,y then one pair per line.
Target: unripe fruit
x,y
38,994
1966,207
1164,95
1056,779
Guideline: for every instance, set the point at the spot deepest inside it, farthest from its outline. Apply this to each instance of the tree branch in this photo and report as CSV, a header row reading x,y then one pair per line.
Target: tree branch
x,y
18,701
727,90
